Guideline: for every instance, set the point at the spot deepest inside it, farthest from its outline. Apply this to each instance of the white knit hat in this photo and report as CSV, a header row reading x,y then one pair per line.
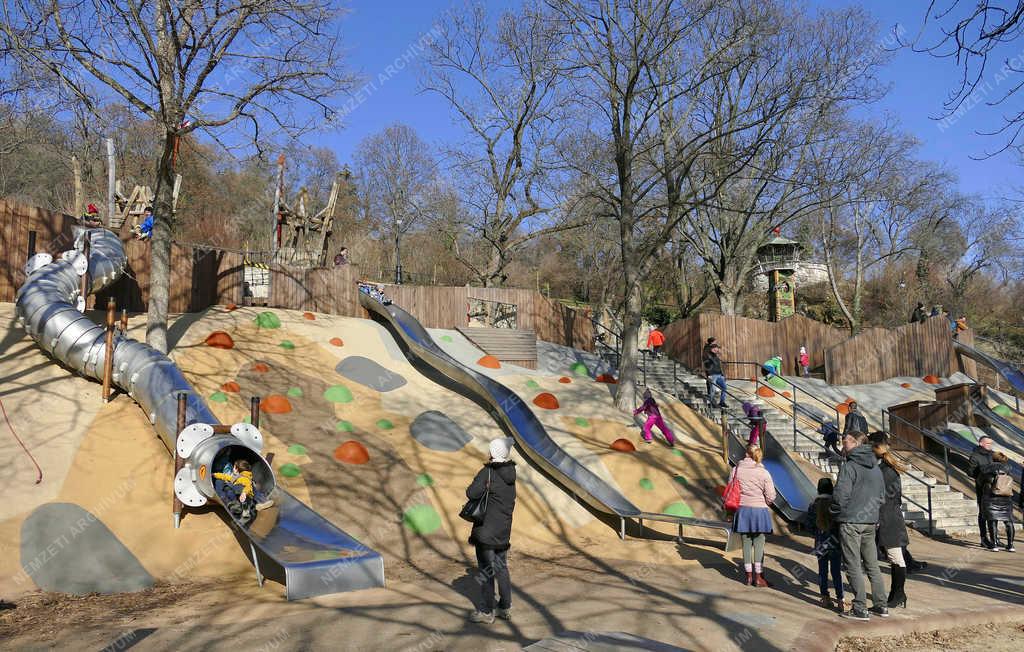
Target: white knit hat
x,y
500,449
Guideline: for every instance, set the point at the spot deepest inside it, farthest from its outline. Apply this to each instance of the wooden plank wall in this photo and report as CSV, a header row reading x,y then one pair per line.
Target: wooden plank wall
x,y
877,354
53,235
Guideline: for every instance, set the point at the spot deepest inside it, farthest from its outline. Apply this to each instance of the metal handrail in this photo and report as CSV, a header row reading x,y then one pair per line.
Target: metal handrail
x,y
756,365
830,406
796,430
887,415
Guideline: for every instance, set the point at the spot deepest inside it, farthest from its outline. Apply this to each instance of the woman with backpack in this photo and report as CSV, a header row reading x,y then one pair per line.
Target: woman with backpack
x,y
997,500
753,520
492,537
892,529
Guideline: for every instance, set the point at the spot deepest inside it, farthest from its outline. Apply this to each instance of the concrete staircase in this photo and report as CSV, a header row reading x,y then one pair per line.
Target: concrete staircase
x,y
953,514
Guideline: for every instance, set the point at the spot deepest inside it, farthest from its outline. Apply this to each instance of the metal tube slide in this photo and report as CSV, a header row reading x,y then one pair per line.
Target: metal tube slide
x,y
517,419
1012,374
316,556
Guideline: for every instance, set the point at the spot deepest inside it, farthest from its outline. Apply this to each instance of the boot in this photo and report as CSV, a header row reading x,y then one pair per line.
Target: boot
x,y
993,528
897,595
1009,537
759,580
750,578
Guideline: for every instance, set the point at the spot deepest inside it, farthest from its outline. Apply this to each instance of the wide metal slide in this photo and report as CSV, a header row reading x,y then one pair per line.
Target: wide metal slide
x,y
517,419
317,557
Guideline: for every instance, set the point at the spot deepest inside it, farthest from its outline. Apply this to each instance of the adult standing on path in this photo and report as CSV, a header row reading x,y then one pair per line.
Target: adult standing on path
x,y
855,421
981,457
753,520
858,495
997,489
492,538
892,529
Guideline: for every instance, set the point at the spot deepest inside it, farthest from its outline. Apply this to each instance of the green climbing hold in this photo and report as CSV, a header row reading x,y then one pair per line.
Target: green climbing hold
x,y
579,369
681,480
384,424
338,394
424,480
294,392
422,519
678,509
287,345
677,452
1002,410
778,383
580,421
344,426
247,419
296,449
289,470
533,384
267,319
645,483
446,338
219,397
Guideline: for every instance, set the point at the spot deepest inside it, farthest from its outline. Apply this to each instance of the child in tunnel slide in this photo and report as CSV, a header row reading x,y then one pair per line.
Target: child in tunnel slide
x,y
650,408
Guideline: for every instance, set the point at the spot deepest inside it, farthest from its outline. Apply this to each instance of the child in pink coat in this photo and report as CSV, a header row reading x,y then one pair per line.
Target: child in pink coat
x,y
650,408
805,361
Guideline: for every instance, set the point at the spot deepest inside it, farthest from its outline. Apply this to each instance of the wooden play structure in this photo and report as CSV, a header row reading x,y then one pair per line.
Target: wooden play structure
x,y
300,238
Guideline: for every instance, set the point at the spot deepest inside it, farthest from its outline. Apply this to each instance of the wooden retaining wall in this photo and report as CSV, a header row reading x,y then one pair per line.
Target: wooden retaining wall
x,y
876,354
53,235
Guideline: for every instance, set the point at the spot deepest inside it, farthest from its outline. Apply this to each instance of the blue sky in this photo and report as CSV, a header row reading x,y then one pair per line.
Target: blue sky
x,y
378,34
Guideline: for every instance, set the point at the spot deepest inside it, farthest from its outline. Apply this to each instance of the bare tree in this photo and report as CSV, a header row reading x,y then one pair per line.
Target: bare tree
x,y
232,68
501,81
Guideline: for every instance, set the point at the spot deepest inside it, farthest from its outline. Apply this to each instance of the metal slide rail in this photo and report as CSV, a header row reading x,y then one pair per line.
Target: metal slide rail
x,y
1013,375
517,419
317,557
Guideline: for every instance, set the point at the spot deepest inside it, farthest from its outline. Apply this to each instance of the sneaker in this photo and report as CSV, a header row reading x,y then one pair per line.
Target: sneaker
x,y
994,548
826,603
481,617
1011,549
505,614
266,504
648,441
855,614
880,611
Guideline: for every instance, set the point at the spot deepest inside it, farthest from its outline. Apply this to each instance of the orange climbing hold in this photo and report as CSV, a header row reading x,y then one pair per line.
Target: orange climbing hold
x,y
276,404
905,385
231,307
565,380
765,392
261,368
931,379
308,315
787,394
490,362
546,401
231,386
623,446
607,378
336,341
843,408
352,452
220,340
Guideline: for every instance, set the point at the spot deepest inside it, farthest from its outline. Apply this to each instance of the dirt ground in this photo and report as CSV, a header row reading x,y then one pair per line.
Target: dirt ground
x,y
994,637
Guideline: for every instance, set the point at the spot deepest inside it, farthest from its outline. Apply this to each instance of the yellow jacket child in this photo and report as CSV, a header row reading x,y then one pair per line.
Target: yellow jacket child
x,y
242,477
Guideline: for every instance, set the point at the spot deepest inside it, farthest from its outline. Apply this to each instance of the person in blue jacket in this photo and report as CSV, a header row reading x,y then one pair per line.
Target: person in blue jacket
x,y
144,231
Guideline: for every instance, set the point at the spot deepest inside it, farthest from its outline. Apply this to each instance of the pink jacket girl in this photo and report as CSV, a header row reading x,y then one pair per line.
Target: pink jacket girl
x,y
650,408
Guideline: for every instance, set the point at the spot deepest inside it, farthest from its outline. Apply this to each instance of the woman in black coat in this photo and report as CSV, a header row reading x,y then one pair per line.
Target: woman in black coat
x,y
996,508
892,530
492,538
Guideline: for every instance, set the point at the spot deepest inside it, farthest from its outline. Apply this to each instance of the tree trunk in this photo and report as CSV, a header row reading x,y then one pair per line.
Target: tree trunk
x,y
729,300
160,252
632,316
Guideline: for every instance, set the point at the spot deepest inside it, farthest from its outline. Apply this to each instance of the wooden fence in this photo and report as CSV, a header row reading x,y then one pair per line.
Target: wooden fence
x,y
202,277
873,355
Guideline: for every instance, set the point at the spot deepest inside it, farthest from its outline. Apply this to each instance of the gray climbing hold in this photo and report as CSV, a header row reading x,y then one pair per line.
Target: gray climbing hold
x,y
370,374
66,549
437,432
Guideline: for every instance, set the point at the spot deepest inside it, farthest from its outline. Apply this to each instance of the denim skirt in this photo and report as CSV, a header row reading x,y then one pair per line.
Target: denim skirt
x,y
752,520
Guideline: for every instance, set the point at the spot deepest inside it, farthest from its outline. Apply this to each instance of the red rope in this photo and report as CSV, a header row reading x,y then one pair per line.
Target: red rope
x,y
39,478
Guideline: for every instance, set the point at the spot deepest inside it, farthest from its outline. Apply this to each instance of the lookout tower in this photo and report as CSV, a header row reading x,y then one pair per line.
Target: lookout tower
x,y
778,260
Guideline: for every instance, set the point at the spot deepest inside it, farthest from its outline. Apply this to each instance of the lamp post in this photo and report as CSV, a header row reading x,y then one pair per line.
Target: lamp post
x,y
398,252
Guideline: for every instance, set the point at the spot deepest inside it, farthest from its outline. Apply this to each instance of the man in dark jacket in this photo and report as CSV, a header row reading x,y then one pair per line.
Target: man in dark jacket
x,y
716,377
981,457
855,421
996,505
492,538
859,492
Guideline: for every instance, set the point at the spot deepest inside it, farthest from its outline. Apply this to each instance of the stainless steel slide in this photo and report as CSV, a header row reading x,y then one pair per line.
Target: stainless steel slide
x,y
517,419
317,557
1012,374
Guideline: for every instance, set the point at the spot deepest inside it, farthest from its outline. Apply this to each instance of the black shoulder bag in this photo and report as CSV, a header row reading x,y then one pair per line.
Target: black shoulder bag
x,y
476,508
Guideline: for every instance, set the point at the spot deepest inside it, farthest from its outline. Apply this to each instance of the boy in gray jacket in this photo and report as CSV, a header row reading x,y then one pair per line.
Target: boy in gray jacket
x,y
859,492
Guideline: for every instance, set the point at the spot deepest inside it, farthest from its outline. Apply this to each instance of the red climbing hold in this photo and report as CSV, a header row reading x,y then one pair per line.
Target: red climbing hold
x,y
906,385
336,341
565,380
546,401
220,340
931,379
308,315
276,404
261,368
231,386
352,452
623,446
230,307
765,392
490,362
607,378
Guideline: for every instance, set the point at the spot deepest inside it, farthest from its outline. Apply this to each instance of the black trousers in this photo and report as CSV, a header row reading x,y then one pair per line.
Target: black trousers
x,y
493,565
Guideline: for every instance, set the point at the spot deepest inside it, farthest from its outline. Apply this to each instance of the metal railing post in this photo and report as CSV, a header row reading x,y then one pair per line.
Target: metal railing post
x,y
945,462
794,417
643,357
931,518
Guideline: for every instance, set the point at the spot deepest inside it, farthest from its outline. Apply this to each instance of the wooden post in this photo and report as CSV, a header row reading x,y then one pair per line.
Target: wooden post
x,y
31,243
83,286
124,321
111,179
76,171
725,438
176,505
108,360
254,411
